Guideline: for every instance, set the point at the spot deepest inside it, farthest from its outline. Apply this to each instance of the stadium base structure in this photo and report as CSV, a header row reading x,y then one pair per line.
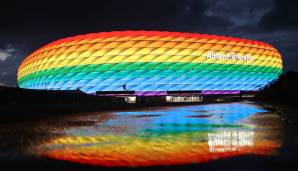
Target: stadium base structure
x,y
177,96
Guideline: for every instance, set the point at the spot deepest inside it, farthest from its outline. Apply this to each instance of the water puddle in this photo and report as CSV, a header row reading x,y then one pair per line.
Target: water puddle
x,y
163,136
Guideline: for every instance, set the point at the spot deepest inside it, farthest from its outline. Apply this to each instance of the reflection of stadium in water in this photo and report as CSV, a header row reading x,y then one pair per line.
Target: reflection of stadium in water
x,y
166,136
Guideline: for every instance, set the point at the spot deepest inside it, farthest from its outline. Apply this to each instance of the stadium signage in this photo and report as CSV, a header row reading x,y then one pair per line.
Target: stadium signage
x,y
232,56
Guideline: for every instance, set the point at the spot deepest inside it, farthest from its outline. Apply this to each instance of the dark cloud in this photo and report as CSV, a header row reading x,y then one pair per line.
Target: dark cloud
x,y
284,15
9,65
103,15
240,14
28,25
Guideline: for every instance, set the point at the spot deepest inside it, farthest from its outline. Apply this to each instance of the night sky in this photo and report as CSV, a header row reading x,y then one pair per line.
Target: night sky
x,y
28,25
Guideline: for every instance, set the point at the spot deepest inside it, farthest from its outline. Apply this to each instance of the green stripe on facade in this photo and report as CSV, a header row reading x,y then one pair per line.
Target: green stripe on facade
x,y
128,70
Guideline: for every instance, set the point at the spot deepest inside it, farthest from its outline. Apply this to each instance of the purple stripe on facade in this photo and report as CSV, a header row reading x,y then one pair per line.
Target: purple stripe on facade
x,y
164,93
206,92
150,93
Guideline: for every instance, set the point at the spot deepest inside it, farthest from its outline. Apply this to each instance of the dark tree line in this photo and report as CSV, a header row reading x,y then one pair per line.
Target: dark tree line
x,y
285,88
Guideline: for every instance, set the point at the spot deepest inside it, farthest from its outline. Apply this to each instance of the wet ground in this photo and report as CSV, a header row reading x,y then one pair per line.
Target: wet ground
x,y
242,135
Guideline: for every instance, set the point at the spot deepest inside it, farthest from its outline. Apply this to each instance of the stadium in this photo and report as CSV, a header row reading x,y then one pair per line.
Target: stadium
x,y
151,63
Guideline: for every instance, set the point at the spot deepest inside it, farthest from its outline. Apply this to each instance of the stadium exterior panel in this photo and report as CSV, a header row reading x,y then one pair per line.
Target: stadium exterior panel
x,y
151,63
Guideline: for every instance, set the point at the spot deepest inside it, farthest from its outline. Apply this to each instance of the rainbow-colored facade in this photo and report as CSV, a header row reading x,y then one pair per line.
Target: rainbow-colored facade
x,y
151,61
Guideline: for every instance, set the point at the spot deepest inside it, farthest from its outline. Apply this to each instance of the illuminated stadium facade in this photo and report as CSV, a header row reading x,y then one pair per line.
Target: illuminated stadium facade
x,y
150,63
